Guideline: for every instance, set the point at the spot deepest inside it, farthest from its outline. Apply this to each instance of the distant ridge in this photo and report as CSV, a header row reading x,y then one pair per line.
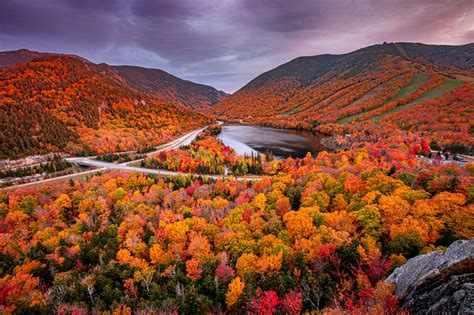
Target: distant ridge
x,y
168,87
14,57
155,82
310,91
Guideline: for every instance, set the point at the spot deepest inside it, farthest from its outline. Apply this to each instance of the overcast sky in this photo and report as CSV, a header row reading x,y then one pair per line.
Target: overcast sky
x,y
225,43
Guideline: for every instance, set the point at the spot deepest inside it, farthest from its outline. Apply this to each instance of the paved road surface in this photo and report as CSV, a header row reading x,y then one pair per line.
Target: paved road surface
x,y
89,161
55,179
124,167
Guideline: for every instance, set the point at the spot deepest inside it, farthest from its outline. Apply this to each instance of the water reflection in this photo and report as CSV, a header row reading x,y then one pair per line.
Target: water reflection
x,y
247,139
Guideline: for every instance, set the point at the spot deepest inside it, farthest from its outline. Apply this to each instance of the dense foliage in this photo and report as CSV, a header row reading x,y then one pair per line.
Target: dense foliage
x,y
320,234
311,234
377,83
65,103
205,155
450,120
120,157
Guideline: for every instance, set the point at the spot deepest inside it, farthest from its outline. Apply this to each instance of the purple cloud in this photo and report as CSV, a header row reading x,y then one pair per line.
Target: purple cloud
x,y
225,43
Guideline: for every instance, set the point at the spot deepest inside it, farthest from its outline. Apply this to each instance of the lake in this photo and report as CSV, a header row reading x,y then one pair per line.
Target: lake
x,y
248,139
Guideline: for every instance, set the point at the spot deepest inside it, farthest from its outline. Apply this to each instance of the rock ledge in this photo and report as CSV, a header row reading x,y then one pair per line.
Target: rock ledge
x,y
438,282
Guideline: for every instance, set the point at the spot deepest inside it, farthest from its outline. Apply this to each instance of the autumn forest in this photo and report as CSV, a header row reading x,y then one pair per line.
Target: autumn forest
x,y
223,232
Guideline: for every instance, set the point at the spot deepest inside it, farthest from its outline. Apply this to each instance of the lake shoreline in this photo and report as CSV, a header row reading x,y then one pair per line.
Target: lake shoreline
x,y
253,139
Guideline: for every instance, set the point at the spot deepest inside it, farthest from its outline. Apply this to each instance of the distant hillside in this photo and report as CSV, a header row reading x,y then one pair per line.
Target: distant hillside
x,y
65,103
308,92
461,57
155,82
170,88
14,57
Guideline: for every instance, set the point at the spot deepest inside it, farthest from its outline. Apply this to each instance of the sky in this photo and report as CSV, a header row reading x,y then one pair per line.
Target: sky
x,y
225,43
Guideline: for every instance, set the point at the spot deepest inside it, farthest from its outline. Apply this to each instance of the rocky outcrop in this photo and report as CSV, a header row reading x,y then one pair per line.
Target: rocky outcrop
x,y
438,282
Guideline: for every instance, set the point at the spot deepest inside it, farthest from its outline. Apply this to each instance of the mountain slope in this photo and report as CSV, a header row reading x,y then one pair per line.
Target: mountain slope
x,y
461,57
14,57
170,88
65,103
155,82
311,91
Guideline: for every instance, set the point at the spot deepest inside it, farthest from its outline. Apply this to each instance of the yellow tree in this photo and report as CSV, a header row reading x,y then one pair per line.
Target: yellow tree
x,y
158,255
247,263
298,224
260,202
456,215
234,292
64,201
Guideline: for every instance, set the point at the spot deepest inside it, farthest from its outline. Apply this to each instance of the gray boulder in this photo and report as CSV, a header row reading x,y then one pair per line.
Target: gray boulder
x,y
438,282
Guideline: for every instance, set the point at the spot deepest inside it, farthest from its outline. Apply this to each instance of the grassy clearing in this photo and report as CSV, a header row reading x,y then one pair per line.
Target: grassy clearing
x,y
448,86
416,82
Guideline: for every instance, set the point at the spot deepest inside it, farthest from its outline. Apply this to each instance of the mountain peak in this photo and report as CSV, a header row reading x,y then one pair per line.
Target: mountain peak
x,y
155,82
299,89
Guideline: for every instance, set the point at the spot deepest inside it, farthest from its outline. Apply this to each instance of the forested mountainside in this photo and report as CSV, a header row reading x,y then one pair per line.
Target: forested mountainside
x,y
328,92
154,82
165,86
65,103
14,57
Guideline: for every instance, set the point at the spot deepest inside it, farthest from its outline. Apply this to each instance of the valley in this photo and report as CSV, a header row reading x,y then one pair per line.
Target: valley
x,y
135,191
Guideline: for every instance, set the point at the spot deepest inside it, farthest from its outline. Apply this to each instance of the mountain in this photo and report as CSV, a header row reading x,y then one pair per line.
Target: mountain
x,y
167,87
308,92
60,102
11,58
155,82
14,57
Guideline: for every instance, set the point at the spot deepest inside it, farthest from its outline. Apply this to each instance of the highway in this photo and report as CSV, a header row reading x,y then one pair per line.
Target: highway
x,y
125,167
101,166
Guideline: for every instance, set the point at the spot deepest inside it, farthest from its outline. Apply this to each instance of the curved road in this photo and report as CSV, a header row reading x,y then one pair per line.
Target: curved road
x,y
89,161
125,167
